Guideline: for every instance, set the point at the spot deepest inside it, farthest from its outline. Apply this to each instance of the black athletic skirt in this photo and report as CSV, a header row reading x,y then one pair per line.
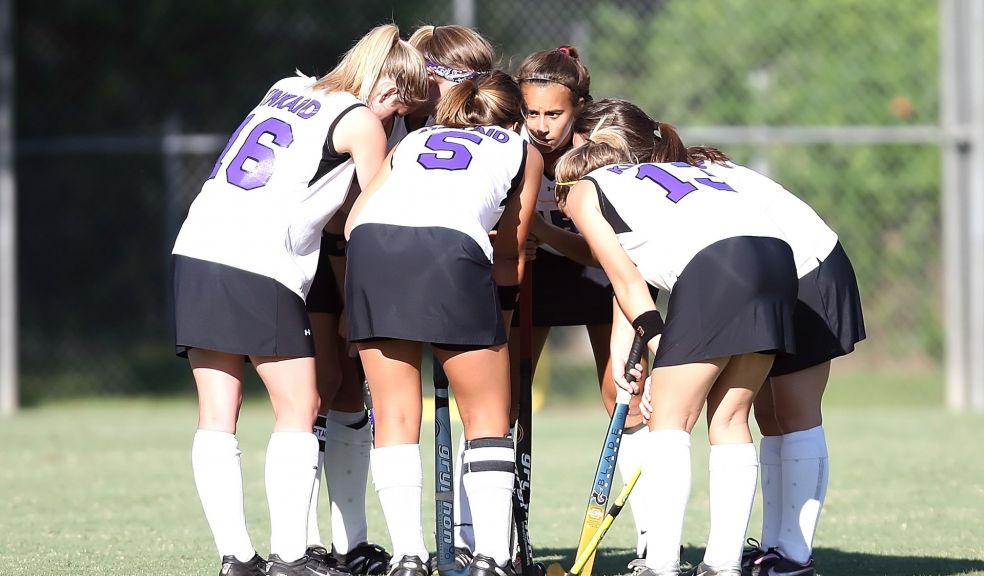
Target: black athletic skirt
x,y
324,295
736,296
221,308
828,320
423,284
566,293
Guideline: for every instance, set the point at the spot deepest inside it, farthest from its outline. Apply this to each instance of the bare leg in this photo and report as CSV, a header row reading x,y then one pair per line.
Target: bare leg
x,y
215,452
480,381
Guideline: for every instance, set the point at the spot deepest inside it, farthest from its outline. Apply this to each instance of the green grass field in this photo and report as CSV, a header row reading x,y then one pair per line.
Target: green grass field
x,y
105,487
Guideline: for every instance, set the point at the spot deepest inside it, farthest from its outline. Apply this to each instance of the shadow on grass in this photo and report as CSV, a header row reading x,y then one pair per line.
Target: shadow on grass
x,y
830,562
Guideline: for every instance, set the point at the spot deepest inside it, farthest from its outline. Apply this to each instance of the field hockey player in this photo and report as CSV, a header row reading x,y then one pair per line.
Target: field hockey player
x,y
732,284
244,260
427,215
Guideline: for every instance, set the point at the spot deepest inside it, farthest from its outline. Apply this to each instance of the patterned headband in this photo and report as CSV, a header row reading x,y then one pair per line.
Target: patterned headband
x,y
451,74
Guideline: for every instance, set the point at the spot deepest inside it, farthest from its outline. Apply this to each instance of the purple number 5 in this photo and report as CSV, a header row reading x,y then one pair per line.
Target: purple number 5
x,y
460,157
262,155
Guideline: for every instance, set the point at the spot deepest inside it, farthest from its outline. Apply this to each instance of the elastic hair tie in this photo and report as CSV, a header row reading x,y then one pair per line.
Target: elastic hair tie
x,y
565,50
567,183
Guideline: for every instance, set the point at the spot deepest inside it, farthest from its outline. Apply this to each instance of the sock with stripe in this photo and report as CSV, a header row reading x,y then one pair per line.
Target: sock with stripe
x,y
489,475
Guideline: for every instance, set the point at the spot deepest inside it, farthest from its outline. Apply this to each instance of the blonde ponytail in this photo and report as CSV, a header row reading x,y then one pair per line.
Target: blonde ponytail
x,y
379,54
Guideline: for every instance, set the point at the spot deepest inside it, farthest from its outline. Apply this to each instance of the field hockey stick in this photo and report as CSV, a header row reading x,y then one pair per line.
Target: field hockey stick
x,y
443,473
366,397
582,559
604,474
524,429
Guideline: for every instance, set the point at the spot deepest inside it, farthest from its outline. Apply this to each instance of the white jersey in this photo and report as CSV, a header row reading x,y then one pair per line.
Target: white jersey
x,y
808,235
457,178
400,131
274,187
664,214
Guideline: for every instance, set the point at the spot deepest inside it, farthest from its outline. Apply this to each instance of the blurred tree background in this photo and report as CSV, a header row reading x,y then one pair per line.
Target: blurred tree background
x,y
100,86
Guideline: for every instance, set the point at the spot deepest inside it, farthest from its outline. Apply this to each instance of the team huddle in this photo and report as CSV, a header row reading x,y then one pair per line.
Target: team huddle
x,y
396,205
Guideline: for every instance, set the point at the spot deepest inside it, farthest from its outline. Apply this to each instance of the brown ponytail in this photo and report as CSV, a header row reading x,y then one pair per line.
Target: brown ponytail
x,y
649,140
489,100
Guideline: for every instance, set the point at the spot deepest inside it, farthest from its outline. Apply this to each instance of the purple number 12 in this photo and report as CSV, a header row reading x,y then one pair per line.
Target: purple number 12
x,y
675,188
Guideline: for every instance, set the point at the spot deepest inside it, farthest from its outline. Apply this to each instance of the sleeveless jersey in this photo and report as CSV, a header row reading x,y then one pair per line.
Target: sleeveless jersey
x,y
274,187
457,178
664,214
807,234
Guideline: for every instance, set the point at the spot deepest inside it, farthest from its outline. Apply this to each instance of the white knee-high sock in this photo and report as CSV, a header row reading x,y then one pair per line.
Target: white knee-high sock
x,y
313,530
804,487
631,454
291,463
489,475
734,473
219,479
398,478
349,440
770,456
666,479
464,533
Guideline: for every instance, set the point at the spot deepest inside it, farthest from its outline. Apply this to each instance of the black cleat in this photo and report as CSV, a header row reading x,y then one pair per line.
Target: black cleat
x,y
306,565
409,566
705,570
772,563
750,553
366,560
482,565
462,559
231,566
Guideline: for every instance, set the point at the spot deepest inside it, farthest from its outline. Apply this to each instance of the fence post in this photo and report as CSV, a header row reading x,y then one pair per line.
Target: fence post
x,y
962,119
8,217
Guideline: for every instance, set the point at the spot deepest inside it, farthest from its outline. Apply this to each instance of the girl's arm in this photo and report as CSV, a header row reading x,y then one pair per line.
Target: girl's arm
x,y
508,253
567,243
631,291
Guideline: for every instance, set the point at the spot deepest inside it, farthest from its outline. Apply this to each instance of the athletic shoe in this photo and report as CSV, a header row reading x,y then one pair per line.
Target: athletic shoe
x,y
778,566
305,566
365,559
409,566
636,567
231,566
750,553
482,565
705,570
462,559
647,571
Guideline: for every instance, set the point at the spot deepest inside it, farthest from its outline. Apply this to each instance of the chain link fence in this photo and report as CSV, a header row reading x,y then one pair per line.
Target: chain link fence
x,y
835,99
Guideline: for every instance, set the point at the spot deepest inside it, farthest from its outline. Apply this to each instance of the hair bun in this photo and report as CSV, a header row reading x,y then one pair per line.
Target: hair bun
x,y
568,51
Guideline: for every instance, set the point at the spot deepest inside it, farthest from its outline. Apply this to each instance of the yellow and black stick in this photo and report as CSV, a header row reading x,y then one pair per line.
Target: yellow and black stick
x,y
592,545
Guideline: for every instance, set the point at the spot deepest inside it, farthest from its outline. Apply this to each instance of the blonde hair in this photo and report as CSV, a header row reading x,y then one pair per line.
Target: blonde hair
x,y
493,99
454,46
606,146
377,55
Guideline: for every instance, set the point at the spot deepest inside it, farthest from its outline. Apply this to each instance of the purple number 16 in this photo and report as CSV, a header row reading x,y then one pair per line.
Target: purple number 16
x,y
261,154
676,188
